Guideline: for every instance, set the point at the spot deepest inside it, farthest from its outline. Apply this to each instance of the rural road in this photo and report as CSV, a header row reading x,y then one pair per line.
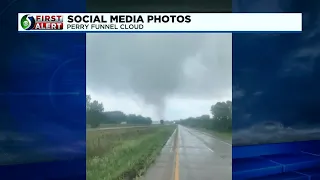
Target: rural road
x,y
191,155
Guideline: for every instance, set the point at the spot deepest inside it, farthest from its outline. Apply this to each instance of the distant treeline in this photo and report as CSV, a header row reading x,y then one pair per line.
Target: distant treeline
x,y
96,115
221,120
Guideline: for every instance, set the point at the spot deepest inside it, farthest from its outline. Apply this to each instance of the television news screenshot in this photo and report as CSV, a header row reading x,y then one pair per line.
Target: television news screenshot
x,y
149,90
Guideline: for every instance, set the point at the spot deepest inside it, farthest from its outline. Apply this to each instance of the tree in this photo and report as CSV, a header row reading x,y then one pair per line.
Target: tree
x,y
94,112
115,117
96,106
96,115
161,121
222,116
138,119
94,118
222,109
221,120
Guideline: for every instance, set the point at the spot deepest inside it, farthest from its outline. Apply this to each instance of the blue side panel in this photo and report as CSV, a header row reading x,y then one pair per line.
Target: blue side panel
x,y
285,176
279,148
276,127
42,97
275,76
276,160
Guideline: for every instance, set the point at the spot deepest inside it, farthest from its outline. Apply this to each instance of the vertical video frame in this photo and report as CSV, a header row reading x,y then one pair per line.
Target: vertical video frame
x,y
159,105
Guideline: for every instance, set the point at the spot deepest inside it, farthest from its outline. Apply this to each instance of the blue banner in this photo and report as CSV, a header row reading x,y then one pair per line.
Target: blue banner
x,y
42,97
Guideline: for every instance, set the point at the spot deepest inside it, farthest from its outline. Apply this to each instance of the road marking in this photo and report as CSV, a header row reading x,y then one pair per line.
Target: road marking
x,y
176,168
205,145
208,148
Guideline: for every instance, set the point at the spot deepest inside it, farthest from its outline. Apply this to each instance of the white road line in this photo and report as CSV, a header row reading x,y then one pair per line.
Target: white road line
x,y
209,148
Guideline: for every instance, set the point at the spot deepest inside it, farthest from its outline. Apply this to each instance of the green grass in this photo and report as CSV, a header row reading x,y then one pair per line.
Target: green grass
x,y
121,125
117,125
124,153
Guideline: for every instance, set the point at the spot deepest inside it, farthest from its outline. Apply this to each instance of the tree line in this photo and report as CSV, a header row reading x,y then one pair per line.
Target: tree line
x,y
221,120
97,115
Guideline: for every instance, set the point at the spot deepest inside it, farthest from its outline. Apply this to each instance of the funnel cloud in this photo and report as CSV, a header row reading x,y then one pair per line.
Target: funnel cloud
x,y
163,76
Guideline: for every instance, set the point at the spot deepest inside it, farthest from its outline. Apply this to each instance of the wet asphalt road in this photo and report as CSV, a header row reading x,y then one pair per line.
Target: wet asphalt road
x,y
197,156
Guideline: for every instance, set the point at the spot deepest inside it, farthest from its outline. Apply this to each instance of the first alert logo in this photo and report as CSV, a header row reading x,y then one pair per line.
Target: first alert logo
x,y
42,22
97,22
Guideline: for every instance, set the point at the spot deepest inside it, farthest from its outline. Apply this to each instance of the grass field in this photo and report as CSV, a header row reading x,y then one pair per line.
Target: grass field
x,y
118,125
121,125
123,154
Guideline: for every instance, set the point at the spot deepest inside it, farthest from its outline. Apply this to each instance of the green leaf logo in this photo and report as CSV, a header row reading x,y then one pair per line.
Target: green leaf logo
x,y
25,22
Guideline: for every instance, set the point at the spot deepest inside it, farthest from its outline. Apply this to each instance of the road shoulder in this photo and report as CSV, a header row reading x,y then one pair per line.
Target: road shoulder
x,y
163,167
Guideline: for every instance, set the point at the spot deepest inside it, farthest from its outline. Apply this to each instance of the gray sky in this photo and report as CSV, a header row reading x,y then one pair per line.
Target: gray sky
x,y
168,76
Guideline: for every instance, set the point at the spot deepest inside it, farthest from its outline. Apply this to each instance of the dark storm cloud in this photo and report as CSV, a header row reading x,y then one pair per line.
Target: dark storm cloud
x,y
157,66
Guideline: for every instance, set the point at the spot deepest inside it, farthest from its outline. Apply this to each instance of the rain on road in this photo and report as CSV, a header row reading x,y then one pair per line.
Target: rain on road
x,y
193,155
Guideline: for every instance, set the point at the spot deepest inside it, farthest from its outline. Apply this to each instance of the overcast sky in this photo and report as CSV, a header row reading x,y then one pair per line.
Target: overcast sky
x,y
168,76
